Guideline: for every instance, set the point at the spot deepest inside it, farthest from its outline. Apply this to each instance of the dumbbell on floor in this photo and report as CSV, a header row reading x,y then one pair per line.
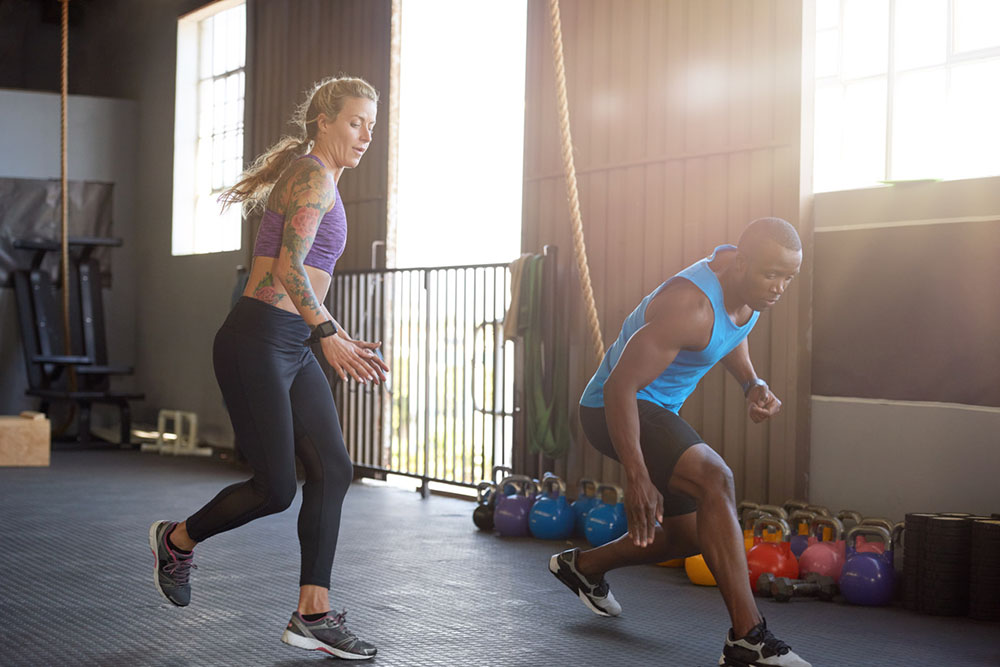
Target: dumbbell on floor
x,y
784,589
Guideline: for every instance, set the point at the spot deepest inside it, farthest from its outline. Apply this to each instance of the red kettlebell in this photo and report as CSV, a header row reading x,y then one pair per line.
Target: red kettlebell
x,y
825,558
774,557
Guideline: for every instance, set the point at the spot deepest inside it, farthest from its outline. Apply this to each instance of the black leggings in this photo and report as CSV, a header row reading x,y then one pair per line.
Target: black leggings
x,y
663,437
281,407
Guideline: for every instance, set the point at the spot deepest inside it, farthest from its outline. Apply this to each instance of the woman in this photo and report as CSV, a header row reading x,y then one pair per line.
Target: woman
x,y
278,397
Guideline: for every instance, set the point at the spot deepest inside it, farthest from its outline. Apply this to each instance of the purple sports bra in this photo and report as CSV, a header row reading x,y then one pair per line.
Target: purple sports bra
x,y
327,247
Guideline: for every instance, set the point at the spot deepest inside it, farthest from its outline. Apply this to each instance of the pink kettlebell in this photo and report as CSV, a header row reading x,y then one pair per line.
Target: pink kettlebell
x,y
824,558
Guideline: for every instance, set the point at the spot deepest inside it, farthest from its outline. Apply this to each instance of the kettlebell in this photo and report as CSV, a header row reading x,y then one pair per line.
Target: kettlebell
x,y
774,557
510,516
775,510
868,577
800,521
606,520
749,519
698,572
551,517
849,515
744,507
825,558
874,547
793,505
499,472
482,516
585,501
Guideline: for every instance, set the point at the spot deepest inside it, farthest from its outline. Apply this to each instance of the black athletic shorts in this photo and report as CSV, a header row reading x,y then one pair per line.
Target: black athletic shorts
x,y
663,437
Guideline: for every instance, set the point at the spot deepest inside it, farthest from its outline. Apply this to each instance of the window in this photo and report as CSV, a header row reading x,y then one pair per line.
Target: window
x,y
906,90
461,131
208,126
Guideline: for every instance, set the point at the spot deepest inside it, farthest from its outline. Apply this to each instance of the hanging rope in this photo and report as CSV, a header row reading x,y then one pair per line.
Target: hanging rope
x,y
65,183
572,194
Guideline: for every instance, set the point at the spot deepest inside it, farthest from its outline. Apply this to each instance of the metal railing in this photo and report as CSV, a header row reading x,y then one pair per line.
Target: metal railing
x,y
446,412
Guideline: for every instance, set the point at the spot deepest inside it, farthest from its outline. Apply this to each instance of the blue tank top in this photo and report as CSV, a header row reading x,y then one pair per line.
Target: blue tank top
x,y
672,387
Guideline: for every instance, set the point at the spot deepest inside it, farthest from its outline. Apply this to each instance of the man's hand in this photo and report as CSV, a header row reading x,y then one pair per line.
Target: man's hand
x,y
643,507
762,403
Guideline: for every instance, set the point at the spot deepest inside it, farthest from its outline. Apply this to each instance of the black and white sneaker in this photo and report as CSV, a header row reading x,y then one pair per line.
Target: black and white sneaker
x,y
596,595
759,648
172,570
329,635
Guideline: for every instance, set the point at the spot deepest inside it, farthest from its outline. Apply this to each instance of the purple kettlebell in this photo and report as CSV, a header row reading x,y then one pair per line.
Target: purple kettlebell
x,y
868,577
510,517
799,521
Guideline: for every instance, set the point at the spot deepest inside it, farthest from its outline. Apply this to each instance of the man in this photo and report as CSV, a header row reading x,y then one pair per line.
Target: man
x,y
680,498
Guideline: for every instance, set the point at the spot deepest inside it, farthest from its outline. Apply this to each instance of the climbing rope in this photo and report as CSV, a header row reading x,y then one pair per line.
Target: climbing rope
x,y
579,246
65,184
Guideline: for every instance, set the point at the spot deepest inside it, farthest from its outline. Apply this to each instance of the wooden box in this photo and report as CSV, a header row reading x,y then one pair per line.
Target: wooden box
x,y
24,440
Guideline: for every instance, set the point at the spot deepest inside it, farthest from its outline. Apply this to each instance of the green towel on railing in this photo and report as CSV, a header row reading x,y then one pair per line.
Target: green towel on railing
x,y
547,417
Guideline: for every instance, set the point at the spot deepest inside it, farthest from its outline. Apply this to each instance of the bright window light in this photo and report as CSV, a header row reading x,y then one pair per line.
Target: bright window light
x,y
461,132
208,126
906,90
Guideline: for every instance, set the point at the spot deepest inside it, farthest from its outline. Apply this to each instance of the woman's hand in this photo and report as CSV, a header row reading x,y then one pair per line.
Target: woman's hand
x,y
644,507
349,357
376,364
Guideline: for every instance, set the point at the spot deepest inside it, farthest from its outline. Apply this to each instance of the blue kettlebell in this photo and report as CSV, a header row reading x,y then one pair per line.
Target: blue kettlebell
x,y
551,516
606,521
585,501
510,516
868,577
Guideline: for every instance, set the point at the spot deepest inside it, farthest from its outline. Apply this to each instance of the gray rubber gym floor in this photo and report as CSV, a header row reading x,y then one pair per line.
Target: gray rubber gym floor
x,y
416,578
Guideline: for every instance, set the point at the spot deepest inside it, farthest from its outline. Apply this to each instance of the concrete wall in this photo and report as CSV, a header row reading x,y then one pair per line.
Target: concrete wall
x,y
184,299
170,306
892,457
101,147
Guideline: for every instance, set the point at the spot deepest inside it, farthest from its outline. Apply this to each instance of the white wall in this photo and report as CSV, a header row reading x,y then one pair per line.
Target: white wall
x,y
101,146
887,458
892,457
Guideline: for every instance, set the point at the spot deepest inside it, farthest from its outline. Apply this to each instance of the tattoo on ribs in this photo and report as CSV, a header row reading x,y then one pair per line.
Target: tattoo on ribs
x,y
266,292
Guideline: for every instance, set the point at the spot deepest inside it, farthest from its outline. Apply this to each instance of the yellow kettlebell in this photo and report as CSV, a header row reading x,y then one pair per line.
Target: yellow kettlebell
x,y
677,562
698,572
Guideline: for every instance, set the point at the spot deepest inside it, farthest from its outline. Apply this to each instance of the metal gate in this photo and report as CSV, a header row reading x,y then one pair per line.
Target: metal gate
x,y
447,411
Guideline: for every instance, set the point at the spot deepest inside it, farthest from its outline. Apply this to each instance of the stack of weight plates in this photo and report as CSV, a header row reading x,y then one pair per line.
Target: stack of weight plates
x,y
944,574
984,574
913,547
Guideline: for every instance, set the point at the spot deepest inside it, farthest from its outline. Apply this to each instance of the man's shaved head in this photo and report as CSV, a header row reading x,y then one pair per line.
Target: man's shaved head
x,y
768,229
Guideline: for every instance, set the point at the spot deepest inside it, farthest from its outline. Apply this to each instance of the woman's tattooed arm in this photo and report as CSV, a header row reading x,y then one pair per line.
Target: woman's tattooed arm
x,y
310,193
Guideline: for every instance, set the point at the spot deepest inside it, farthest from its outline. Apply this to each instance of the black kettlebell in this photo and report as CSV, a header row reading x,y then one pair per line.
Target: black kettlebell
x,y
482,516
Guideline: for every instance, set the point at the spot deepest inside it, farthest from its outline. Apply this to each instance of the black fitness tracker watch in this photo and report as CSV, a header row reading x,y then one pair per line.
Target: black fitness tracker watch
x,y
751,384
321,330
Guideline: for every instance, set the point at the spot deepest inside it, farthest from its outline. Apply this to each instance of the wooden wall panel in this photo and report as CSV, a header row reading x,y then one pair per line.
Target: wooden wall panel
x,y
685,118
293,43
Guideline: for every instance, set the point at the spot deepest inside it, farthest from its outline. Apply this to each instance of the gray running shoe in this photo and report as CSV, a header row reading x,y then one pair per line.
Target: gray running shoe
x,y
172,571
759,648
596,595
329,635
